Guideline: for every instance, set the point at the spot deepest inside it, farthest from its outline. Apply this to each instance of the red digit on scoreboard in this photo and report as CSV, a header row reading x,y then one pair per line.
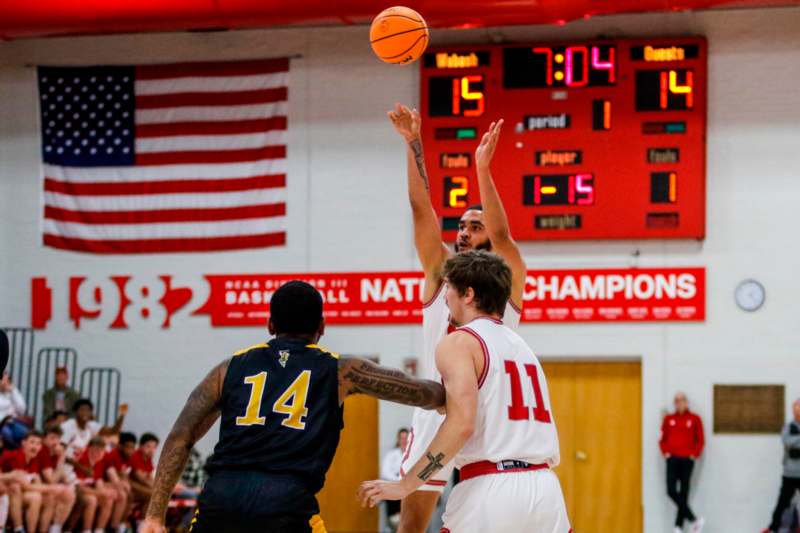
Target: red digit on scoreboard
x,y
571,52
462,90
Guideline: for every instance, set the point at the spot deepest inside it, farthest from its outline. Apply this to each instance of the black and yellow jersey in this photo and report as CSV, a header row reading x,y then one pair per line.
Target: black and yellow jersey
x,y
280,412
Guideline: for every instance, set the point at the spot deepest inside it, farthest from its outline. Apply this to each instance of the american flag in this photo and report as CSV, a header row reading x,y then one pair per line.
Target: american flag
x,y
184,157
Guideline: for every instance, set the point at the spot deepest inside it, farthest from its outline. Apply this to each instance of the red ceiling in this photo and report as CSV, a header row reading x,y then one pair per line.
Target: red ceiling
x,y
21,18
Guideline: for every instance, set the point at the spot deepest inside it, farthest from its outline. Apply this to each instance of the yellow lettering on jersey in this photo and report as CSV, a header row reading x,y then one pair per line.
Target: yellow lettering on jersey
x,y
253,347
297,393
251,416
317,525
323,349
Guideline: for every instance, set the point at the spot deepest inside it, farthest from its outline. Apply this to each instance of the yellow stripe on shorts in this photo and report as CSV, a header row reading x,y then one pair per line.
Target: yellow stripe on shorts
x,y
317,525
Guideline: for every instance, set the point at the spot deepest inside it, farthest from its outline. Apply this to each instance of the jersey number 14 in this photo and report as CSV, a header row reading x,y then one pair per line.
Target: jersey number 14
x,y
291,403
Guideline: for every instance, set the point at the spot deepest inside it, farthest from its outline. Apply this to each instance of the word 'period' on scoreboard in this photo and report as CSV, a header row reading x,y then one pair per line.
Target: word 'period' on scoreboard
x,y
602,139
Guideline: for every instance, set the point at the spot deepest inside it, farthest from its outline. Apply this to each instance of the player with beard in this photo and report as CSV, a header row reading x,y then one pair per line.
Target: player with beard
x,y
482,227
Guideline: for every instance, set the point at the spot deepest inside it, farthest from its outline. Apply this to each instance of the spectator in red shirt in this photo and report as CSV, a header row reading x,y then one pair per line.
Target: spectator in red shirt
x,y
681,443
119,469
24,461
142,468
95,497
51,460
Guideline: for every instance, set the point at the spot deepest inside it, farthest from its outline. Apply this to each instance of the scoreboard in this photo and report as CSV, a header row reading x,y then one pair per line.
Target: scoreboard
x,y
601,140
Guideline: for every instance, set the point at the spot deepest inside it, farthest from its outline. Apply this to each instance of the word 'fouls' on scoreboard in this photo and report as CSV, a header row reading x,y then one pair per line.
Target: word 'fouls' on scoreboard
x,y
602,140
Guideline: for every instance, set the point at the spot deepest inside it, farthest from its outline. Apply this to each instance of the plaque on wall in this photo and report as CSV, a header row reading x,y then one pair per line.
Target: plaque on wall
x,y
748,408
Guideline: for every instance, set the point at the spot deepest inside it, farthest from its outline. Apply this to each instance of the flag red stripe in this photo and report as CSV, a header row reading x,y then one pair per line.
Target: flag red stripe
x,y
207,156
227,98
200,244
144,131
211,68
177,186
165,215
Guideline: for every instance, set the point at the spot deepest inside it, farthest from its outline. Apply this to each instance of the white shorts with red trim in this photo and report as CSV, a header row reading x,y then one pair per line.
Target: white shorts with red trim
x,y
424,426
510,502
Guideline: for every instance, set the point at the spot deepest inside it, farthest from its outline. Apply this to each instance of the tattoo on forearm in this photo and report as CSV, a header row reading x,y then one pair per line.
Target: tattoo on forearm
x,y
434,465
392,385
197,416
419,157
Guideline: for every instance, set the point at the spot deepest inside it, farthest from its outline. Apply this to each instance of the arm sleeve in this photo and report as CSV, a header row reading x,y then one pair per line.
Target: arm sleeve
x,y
386,467
662,442
699,437
18,401
789,440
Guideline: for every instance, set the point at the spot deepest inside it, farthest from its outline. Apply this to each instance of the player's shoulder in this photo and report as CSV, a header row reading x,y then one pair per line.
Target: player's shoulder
x,y
323,351
254,347
462,338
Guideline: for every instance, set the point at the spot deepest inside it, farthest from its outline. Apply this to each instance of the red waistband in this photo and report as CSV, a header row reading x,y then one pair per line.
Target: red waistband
x,y
482,468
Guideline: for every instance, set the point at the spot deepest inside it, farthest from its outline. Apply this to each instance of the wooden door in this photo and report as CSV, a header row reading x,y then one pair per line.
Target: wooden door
x,y
598,411
356,461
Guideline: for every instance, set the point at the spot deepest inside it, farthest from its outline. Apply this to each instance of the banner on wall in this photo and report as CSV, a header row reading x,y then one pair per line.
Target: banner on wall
x,y
230,300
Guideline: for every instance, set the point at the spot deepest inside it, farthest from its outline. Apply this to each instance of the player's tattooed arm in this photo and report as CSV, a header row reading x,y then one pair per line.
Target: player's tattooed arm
x,y
358,375
427,231
196,418
434,465
419,158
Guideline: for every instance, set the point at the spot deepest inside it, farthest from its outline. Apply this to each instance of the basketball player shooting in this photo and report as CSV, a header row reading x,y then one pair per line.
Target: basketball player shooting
x,y
280,404
482,227
499,427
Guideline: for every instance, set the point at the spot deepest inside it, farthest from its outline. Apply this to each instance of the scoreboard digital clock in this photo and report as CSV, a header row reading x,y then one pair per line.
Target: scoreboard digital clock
x,y
602,139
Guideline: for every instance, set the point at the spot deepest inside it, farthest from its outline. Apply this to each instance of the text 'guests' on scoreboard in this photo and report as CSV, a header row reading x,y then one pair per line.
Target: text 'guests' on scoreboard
x,y
602,139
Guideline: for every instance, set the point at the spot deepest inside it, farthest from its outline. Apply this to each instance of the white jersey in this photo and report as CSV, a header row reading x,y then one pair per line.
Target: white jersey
x,y
425,424
435,323
514,419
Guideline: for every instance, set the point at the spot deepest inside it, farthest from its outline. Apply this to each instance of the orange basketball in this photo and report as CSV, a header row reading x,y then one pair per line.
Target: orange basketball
x,y
398,35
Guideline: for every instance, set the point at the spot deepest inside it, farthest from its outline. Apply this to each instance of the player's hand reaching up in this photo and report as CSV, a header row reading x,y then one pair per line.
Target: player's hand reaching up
x,y
406,121
371,493
485,151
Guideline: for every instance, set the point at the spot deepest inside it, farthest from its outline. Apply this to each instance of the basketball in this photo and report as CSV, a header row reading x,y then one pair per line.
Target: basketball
x,y
398,35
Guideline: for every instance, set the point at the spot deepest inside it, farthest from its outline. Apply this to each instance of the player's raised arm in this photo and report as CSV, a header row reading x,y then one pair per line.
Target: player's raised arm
x,y
358,375
198,415
494,214
455,358
427,235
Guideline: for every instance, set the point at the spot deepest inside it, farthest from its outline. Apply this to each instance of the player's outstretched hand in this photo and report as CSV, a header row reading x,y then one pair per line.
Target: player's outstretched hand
x,y
151,525
371,493
406,121
485,151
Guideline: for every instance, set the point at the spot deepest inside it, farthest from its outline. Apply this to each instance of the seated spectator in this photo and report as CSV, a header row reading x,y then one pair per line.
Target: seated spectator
x,y
52,461
390,470
24,461
12,411
61,397
80,430
141,477
56,419
118,468
98,500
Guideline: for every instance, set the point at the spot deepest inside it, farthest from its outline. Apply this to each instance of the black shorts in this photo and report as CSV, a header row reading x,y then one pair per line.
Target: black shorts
x,y
254,502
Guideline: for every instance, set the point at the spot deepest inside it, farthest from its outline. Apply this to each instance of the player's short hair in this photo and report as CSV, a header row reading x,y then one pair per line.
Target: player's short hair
x,y
487,274
147,437
296,308
126,437
80,403
33,433
474,207
53,429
